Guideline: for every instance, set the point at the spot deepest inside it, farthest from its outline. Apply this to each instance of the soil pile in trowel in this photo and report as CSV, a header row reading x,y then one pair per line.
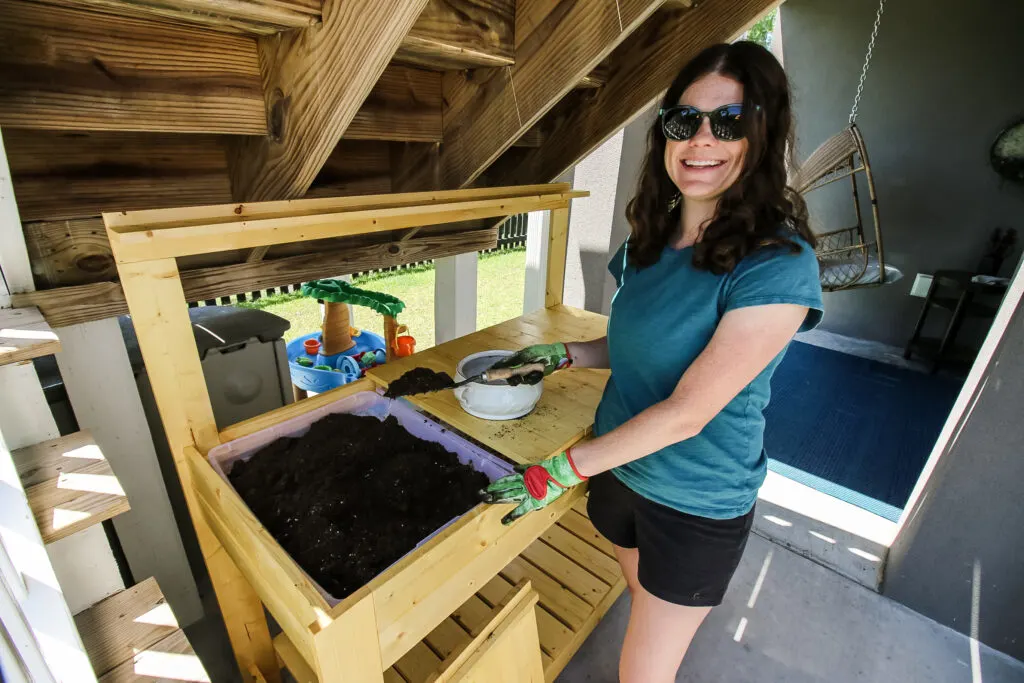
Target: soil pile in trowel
x,y
353,495
419,381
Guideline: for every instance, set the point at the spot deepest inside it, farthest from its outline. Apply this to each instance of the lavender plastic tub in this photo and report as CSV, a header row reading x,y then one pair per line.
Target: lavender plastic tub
x,y
365,403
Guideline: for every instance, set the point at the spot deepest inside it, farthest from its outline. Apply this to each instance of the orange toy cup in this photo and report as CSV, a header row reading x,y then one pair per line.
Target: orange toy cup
x,y
405,346
312,346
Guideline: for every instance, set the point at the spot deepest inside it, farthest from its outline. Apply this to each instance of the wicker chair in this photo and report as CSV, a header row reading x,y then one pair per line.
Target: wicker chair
x,y
846,256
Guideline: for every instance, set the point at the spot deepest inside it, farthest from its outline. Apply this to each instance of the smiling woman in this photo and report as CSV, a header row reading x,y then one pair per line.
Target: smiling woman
x,y
720,269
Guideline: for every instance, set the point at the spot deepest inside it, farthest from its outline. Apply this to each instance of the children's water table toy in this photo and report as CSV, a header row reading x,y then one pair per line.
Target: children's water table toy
x,y
339,353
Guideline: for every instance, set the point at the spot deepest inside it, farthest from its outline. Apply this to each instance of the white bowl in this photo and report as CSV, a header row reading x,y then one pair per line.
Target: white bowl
x,y
494,400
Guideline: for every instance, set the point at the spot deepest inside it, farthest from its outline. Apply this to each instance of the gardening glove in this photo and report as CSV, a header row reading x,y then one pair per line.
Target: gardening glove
x,y
534,486
552,356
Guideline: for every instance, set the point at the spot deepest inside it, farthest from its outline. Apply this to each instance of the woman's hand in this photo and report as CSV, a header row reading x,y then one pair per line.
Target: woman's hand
x,y
551,356
534,487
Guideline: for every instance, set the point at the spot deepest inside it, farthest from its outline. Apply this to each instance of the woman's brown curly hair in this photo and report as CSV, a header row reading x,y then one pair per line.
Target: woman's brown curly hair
x,y
759,209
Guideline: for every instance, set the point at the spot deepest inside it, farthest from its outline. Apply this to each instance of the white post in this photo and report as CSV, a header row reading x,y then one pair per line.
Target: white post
x,y
454,296
14,263
538,231
94,359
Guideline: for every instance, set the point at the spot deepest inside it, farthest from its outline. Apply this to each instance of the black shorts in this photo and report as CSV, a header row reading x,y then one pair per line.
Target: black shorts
x,y
684,559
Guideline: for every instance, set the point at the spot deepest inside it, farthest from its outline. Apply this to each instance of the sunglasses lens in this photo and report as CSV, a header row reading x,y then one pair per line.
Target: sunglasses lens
x,y
727,122
681,123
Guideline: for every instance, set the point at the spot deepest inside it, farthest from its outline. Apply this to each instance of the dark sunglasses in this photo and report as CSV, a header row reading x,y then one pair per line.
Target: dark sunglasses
x,y
683,121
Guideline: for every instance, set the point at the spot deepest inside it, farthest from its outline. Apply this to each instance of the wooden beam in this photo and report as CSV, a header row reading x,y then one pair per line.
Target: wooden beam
x,y
461,34
354,167
449,34
64,175
142,243
236,16
404,105
71,305
72,252
488,110
596,78
64,68
641,68
315,81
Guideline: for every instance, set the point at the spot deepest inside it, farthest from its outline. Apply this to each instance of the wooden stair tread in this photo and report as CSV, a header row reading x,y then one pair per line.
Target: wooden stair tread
x,y
133,636
559,641
24,335
69,485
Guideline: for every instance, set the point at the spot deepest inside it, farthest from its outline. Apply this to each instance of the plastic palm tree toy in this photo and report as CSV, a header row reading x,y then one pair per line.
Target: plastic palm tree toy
x,y
337,330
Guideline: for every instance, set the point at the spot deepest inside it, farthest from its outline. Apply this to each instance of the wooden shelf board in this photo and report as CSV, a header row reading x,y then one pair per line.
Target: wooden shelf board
x,y
69,485
24,335
133,636
560,575
566,409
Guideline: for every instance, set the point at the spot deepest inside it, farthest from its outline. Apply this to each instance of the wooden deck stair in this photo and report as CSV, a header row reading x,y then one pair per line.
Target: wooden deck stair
x,y
25,335
133,636
571,567
69,485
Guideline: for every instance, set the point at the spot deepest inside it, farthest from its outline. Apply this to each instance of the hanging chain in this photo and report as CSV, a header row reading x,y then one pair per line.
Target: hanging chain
x,y
867,61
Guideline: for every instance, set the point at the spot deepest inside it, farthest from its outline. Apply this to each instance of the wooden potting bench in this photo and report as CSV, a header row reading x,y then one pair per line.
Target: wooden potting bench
x,y
480,601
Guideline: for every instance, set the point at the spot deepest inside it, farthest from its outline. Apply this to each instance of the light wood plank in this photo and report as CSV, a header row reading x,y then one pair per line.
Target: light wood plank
x,y
561,602
560,660
581,526
565,571
156,303
419,591
69,484
133,619
66,68
557,249
238,212
315,81
566,410
640,69
418,663
158,243
447,637
460,34
71,305
68,175
346,648
583,553
292,660
24,335
581,507
170,660
554,636
487,111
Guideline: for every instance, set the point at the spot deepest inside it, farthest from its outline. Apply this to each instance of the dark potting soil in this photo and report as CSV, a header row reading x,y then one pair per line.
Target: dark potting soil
x,y
353,495
419,381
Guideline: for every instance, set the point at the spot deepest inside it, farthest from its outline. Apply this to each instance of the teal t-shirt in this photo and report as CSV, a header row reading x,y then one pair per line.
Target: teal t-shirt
x,y
661,319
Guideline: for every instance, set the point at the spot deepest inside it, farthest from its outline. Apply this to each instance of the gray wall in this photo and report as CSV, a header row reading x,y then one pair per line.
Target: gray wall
x,y
965,537
945,79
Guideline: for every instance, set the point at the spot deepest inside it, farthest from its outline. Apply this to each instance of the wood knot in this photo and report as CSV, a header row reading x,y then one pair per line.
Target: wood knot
x,y
95,263
394,249
238,209
276,115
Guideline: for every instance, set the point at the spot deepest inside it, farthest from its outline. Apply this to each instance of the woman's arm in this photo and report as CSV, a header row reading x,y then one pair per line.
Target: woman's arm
x,y
745,342
589,354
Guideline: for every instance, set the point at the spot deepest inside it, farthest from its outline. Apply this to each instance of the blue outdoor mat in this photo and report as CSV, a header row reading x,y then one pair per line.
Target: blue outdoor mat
x,y
857,429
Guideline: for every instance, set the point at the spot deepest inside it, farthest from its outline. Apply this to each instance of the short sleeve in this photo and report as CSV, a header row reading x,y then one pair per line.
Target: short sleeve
x,y
777,276
618,263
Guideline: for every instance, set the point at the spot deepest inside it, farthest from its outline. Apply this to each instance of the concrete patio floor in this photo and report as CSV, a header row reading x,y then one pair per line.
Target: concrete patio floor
x,y
803,623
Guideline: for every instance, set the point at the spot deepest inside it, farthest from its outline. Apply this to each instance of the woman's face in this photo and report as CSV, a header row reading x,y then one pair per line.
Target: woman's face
x,y
704,167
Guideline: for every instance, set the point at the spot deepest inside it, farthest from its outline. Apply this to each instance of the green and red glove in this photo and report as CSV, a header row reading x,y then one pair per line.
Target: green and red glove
x,y
534,486
552,356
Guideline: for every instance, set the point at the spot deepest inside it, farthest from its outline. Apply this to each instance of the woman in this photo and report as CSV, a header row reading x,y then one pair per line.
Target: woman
x,y
717,276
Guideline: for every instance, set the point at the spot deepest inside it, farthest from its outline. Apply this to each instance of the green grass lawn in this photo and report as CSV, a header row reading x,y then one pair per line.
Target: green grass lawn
x,y
500,279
